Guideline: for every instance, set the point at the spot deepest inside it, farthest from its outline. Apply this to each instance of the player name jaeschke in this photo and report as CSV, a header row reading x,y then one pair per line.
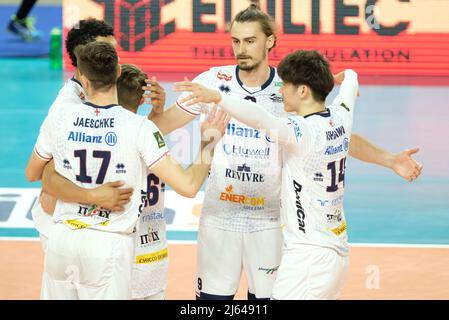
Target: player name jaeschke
x,y
94,123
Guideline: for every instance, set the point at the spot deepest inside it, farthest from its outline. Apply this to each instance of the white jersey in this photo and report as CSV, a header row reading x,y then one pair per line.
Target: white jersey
x,y
150,268
72,91
151,256
92,145
314,150
243,189
313,180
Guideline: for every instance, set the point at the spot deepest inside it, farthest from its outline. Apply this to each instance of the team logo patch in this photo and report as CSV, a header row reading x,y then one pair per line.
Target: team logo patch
x,y
276,98
223,76
159,139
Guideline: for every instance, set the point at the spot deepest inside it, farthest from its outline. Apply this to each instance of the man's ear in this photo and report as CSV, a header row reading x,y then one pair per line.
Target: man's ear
x,y
119,71
84,81
302,91
270,42
141,101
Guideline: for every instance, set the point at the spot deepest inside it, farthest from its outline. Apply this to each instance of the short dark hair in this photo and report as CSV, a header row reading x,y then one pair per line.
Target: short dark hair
x,y
254,14
310,68
84,32
129,86
98,62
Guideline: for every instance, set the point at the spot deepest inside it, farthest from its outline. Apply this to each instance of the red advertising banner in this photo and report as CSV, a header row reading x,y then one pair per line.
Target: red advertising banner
x,y
374,37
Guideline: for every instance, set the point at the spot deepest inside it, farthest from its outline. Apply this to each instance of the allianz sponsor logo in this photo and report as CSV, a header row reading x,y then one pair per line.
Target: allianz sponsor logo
x,y
110,138
330,150
246,132
243,173
335,134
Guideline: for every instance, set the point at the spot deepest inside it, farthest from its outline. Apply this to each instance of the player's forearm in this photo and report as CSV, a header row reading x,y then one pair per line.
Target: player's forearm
x,y
35,167
63,189
363,150
256,117
199,170
171,119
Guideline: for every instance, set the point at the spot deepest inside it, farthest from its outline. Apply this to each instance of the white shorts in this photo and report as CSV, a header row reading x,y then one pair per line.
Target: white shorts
x,y
43,222
87,264
157,296
310,273
223,254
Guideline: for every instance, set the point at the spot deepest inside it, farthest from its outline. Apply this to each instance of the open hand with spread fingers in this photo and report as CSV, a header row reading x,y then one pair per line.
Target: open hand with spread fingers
x,y
405,166
154,95
198,93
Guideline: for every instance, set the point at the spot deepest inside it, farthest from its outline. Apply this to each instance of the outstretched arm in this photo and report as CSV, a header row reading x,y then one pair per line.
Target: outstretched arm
x,y
243,110
287,130
401,163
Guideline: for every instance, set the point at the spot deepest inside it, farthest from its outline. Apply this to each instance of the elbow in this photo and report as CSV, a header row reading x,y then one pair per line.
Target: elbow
x,y
32,177
189,193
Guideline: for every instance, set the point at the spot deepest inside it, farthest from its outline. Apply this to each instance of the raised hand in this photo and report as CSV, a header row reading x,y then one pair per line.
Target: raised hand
x,y
338,79
212,129
405,166
154,95
215,124
199,93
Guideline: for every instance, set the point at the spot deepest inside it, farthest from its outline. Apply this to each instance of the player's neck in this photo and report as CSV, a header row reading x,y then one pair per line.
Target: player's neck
x,y
256,77
104,98
310,107
76,75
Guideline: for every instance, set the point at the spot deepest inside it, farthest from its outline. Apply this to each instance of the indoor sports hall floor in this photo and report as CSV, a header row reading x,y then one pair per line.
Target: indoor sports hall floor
x,y
399,231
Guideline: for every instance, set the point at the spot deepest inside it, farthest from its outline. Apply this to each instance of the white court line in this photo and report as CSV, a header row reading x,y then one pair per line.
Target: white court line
x,y
19,239
35,239
354,245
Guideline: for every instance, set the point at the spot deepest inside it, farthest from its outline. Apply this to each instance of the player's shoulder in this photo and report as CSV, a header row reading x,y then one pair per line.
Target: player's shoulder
x,y
339,110
272,86
71,92
72,89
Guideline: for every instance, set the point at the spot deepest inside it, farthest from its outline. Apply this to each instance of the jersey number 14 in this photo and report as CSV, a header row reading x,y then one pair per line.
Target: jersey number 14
x,y
341,174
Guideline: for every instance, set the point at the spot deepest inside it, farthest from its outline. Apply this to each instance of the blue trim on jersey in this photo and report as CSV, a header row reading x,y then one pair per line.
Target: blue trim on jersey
x,y
213,297
263,87
325,114
100,107
76,81
252,296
